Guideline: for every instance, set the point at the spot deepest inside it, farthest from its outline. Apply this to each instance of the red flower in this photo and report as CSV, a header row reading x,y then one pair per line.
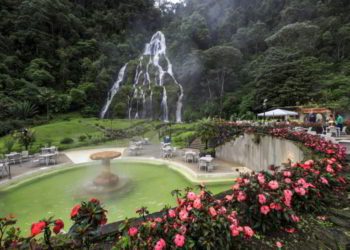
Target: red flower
x,y
58,226
37,228
94,200
75,211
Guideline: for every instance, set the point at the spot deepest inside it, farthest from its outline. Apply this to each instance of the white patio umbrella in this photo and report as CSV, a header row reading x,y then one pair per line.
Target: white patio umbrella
x,y
278,112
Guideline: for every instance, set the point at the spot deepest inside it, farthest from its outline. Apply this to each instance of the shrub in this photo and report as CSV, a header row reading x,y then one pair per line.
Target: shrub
x,y
67,140
82,138
184,139
9,143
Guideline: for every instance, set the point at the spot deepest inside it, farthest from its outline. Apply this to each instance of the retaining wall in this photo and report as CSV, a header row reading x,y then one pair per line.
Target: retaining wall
x,y
259,155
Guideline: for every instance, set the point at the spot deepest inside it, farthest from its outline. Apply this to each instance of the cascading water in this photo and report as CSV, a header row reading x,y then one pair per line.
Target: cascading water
x,y
154,62
113,91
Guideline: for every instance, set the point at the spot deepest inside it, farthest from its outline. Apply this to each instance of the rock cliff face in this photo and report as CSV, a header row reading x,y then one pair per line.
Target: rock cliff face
x,y
258,152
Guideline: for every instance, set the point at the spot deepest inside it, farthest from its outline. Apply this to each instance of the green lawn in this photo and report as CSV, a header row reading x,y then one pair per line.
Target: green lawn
x,y
74,126
71,126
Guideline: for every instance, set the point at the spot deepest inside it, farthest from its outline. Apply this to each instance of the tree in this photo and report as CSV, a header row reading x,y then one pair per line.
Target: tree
x,y
302,36
46,97
25,137
221,63
23,110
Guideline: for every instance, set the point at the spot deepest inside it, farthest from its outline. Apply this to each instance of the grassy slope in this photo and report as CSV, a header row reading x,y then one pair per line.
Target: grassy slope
x,y
72,126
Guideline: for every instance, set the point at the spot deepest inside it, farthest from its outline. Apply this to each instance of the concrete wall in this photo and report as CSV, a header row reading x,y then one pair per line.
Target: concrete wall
x,y
258,156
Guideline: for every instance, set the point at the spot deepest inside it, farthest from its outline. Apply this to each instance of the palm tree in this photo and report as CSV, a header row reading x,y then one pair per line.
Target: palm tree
x,y
46,97
23,110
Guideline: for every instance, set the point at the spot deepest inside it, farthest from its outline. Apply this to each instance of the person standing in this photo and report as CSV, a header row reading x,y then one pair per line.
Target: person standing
x,y
340,122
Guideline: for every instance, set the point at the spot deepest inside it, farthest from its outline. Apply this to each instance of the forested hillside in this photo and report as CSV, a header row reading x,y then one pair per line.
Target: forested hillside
x,y
62,55
229,55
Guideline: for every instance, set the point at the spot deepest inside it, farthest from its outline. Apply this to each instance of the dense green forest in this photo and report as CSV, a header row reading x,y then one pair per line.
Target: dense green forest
x,y
229,55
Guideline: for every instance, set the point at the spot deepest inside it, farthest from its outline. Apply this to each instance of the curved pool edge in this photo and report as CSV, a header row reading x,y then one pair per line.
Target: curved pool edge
x,y
186,172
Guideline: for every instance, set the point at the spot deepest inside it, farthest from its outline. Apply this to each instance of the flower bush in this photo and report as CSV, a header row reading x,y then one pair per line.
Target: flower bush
x,y
88,217
269,201
198,222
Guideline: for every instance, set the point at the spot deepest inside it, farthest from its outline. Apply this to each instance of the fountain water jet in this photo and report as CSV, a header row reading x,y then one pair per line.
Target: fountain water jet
x,y
106,182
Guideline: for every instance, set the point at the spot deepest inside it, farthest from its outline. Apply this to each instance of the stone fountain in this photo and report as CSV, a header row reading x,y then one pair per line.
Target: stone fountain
x,y
106,182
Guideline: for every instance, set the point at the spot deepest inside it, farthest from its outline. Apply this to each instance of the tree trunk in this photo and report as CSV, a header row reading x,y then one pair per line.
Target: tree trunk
x,y
222,91
47,111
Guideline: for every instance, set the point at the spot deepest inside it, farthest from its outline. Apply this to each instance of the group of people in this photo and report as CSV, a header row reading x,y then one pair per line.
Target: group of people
x,y
330,121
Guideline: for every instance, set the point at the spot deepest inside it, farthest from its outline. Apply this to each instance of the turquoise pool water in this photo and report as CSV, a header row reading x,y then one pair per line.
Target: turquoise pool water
x,y
55,194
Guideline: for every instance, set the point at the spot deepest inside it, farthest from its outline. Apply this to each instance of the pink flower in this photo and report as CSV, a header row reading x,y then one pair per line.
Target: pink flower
x,y
287,193
299,190
279,244
212,212
234,230
264,210
160,245
262,198
261,178
191,196
287,180
229,197
287,174
275,206
248,232
197,204
183,229
273,185
183,215
172,213
329,169
133,231
179,240
295,218
290,230
222,210
235,187
246,181
324,180
241,196
309,162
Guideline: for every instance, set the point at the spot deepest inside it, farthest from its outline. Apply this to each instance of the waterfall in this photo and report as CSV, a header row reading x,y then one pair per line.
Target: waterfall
x,y
156,50
113,91
155,61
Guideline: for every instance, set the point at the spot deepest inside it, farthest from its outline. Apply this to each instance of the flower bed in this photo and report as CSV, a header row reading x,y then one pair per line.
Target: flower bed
x,y
264,202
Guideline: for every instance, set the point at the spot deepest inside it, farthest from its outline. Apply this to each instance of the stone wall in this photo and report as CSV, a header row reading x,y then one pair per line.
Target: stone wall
x,y
259,155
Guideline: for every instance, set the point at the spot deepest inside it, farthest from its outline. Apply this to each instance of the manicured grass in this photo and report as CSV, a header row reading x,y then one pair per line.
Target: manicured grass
x,y
70,126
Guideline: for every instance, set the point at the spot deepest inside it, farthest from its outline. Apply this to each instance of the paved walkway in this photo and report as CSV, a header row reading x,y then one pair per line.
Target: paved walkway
x,y
32,166
221,166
